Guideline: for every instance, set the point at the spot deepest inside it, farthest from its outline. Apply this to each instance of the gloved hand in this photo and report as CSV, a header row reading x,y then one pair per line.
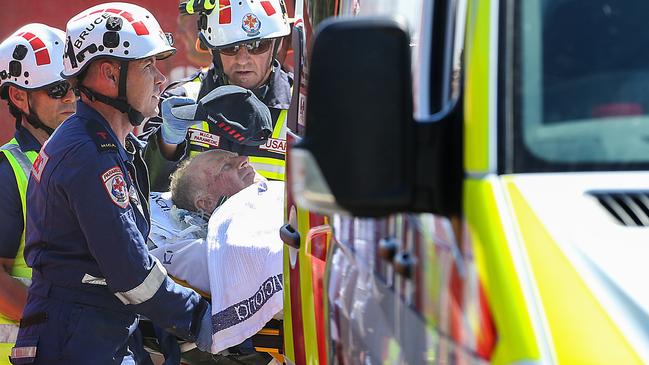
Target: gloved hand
x,y
204,338
173,129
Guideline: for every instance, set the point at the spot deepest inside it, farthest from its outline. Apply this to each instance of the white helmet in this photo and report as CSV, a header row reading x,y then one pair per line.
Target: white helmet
x,y
116,30
32,57
236,21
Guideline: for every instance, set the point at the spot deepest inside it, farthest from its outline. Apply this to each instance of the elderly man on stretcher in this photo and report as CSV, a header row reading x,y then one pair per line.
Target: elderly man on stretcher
x,y
217,231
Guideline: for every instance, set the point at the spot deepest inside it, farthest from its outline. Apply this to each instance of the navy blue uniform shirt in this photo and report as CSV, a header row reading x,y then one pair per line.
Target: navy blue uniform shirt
x,y
87,223
11,210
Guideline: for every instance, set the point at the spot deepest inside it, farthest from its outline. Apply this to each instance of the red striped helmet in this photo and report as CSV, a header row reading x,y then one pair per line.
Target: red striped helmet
x,y
115,30
32,57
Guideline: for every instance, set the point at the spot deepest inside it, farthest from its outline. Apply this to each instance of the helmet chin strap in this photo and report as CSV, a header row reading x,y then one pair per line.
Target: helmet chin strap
x,y
34,121
120,103
218,65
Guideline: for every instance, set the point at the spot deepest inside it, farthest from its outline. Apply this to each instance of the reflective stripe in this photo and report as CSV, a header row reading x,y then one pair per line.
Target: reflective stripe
x,y
280,127
147,289
20,157
23,352
89,279
270,168
8,333
25,281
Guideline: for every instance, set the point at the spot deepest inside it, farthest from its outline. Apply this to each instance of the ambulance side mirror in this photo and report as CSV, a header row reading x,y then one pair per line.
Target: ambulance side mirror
x,y
358,150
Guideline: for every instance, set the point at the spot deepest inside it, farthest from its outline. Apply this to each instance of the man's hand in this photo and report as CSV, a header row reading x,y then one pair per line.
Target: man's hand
x,y
13,294
173,130
204,338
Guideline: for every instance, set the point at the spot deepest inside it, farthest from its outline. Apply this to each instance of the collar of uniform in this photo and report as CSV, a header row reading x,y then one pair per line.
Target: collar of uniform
x,y
278,95
137,142
26,140
87,112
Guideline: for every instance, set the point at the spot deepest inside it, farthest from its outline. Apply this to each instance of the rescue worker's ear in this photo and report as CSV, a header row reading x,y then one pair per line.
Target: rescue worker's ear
x,y
19,98
110,71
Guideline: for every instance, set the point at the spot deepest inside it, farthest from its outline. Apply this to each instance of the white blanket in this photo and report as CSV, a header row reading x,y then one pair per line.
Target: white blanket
x,y
245,263
179,240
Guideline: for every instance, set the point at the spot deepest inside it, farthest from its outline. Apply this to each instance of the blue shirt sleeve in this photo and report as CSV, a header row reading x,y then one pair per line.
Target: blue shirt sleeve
x,y
11,212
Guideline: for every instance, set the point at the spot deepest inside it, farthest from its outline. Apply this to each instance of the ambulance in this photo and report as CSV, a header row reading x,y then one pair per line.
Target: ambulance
x,y
468,183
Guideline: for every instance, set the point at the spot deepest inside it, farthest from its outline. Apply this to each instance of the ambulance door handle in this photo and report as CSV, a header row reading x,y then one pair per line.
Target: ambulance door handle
x,y
388,248
290,236
404,264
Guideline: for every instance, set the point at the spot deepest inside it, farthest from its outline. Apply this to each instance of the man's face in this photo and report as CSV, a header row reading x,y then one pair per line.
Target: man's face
x,y
52,111
246,69
226,173
144,85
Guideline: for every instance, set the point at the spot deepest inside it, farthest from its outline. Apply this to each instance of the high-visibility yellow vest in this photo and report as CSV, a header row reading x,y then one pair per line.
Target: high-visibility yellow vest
x,y
268,167
21,163
271,167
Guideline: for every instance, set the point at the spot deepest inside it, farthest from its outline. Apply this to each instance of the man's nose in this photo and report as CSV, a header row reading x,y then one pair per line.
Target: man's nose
x,y
242,55
243,161
70,96
160,78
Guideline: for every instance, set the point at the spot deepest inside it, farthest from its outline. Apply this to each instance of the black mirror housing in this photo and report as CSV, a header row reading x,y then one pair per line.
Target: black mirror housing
x,y
362,151
359,114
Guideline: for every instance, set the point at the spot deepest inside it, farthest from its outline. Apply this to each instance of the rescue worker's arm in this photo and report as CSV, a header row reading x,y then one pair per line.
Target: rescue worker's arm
x,y
168,151
13,293
111,222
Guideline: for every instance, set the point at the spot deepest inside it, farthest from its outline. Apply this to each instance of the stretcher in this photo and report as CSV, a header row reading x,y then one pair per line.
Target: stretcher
x,y
263,348
180,237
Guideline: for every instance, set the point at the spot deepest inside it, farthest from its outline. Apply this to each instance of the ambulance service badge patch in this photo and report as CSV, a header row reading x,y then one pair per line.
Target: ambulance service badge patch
x,y
39,165
251,25
115,185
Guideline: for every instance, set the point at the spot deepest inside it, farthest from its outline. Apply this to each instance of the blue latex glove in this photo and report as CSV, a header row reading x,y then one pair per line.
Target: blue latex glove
x,y
174,129
204,338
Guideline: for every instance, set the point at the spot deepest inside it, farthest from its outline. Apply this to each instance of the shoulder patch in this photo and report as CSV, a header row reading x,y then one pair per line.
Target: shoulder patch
x,y
39,165
102,139
115,185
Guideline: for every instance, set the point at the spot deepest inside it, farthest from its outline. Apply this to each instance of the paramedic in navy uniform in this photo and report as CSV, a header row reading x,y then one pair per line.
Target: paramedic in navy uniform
x,y
87,210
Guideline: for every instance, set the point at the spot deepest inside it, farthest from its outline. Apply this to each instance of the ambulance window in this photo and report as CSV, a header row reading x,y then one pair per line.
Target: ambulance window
x,y
582,85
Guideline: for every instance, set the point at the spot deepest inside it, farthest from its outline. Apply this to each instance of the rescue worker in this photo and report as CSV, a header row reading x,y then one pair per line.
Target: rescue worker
x,y
31,61
244,39
87,210
187,35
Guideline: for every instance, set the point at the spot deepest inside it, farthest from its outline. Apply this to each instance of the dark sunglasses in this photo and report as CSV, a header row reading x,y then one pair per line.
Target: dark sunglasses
x,y
254,47
60,90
